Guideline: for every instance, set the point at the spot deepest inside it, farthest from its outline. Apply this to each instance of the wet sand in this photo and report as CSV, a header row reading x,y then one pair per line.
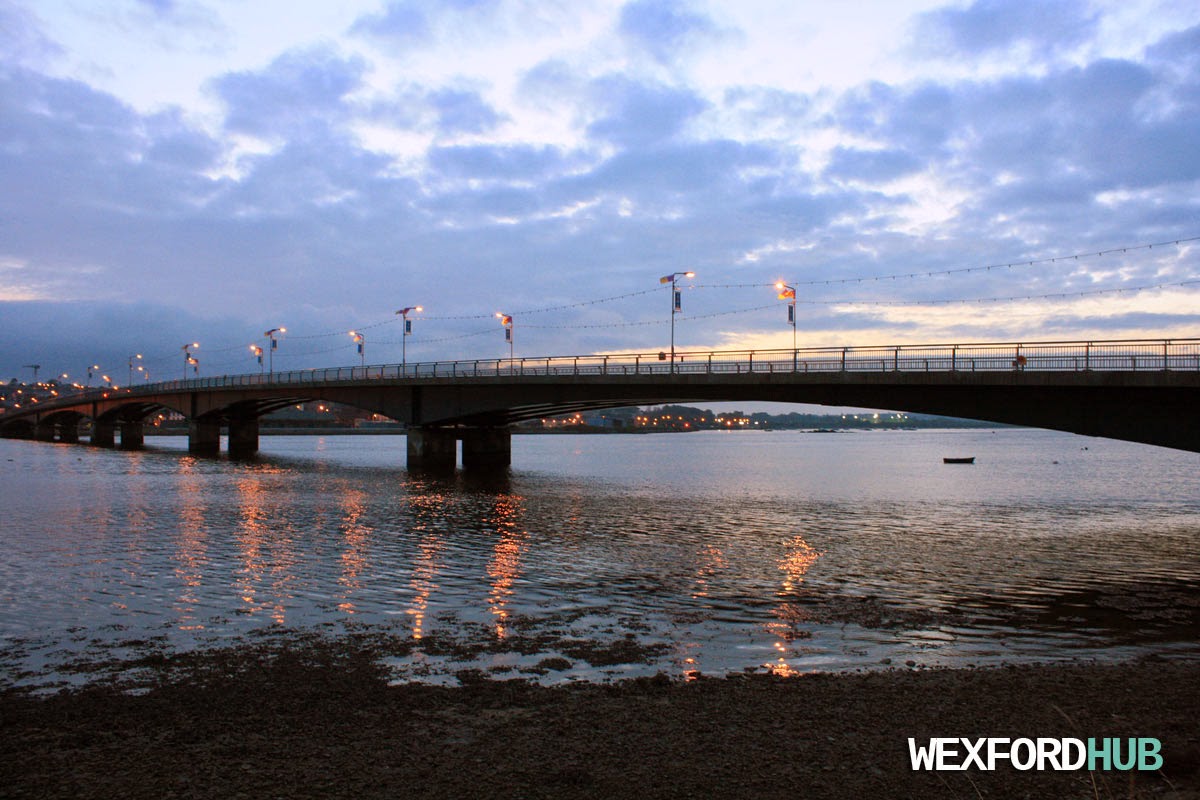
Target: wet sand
x,y
318,718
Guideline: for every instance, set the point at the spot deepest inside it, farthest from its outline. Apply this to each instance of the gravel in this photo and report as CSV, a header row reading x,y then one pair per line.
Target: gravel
x,y
318,717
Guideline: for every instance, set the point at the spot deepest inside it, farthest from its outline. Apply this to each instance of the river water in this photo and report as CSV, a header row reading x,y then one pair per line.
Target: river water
x,y
706,552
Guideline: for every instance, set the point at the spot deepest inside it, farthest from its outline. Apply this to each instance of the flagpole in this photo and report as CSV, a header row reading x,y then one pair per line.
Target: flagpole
x,y
787,292
675,306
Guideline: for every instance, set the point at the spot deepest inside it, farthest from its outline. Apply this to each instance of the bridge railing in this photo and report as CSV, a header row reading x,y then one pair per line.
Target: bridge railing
x,y
1122,355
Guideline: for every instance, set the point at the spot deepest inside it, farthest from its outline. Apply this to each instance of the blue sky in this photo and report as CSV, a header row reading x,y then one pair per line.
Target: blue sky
x,y
175,171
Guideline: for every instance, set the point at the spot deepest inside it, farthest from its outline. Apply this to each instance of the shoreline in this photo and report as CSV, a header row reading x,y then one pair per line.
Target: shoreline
x,y
317,717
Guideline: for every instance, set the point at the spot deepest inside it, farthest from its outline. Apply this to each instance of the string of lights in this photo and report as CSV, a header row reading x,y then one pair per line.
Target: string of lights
x,y
547,309
1004,299
958,270
853,302
421,340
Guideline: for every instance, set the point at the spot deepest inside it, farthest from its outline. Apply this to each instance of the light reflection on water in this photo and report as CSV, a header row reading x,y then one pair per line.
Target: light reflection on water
x,y
783,551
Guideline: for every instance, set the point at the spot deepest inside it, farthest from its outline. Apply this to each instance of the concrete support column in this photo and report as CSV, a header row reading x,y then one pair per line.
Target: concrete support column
x,y
132,437
243,437
204,437
44,432
68,432
104,434
432,449
487,448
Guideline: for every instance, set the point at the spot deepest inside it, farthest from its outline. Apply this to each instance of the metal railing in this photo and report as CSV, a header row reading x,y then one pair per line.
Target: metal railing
x,y
1131,355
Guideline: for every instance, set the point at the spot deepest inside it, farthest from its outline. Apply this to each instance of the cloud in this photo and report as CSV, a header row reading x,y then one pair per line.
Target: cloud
x,y
460,112
22,38
871,166
665,29
403,23
987,26
299,88
635,114
523,163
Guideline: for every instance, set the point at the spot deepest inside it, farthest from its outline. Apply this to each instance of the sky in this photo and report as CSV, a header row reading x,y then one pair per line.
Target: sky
x,y
176,171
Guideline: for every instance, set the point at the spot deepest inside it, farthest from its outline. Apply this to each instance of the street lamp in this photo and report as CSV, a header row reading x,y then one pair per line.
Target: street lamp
x,y
274,343
676,304
257,352
361,341
406,333
35,368
789,293
507,321
91,369
132,358
188,359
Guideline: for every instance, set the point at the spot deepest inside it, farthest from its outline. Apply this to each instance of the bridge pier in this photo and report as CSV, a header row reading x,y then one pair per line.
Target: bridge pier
x,y
483,448
486,448
431,449
44,432
204,437
132,434
69,432
104,434
243,437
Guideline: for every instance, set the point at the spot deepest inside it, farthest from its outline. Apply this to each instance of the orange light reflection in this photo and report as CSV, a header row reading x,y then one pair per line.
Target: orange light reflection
x,y
356,537
505,566
190,548
268,553
797,560
427,509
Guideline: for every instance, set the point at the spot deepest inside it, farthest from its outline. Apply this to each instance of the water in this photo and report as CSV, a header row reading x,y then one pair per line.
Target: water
x,y
616,555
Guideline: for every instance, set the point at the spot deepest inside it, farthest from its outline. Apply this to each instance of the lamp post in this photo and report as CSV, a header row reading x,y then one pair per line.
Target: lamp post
x,y
91,369
35,368
507,321
361,341
787,292
257,352
187,358
271,354
132,358
676,304
406,333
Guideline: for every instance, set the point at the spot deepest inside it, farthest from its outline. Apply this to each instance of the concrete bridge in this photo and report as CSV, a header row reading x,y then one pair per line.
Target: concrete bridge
x,y
1138,390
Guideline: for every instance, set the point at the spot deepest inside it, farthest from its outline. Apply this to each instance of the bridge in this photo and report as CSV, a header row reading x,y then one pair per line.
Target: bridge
x,y
1145,390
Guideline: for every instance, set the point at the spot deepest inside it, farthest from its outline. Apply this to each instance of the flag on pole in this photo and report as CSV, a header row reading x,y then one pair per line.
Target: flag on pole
x,y
787,294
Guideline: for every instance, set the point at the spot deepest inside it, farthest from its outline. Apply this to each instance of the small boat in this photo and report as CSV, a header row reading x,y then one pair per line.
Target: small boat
x,y
968,460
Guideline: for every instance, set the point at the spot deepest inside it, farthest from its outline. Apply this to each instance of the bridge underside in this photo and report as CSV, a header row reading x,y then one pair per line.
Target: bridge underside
x,y
1149,407
1157,411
